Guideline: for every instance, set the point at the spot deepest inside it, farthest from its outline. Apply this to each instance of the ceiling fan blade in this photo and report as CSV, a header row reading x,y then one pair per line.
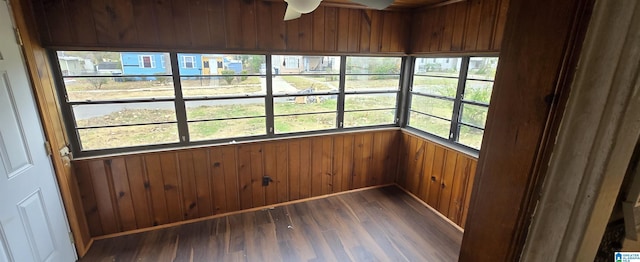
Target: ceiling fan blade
x,y
291,14
303,6
375,4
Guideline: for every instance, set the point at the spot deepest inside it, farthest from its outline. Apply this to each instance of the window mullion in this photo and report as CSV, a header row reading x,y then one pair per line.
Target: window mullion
x,y
404,96
181,111
457,105
269,103
341,95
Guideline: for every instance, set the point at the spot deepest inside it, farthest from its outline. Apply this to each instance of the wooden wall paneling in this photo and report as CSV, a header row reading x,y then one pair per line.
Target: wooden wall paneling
x,y
40,19
172,187
164,23
84,30
458,185
342,27
257,172
305,168
392,157
437,173
145,21
292,35
231,182
116,168
416,161
139,188
305,32
474,16
448,177
437,31
188,184
278,27
105,29
182,23
378,159
263,26
202,175
58,24
467,192
282,171
327,165
487,23
399,31
318,29
153,166
106,208
330,29
316,166
387,28
338,156
271,170
448,22
218,184
294,169
362,158
88,198
427,170
216,23
245,176
503,6
377,22
248,21
365,31
233,24
198,17
457,40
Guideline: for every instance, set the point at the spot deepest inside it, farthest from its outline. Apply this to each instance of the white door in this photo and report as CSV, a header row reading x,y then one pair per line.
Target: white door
x,y
33,226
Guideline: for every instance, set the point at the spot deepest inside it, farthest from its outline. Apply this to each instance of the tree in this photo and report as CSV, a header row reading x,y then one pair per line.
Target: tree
x,y
228,76
97,82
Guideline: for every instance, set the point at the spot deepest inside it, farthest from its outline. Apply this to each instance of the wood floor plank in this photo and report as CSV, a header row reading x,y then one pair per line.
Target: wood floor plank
x,y
378,224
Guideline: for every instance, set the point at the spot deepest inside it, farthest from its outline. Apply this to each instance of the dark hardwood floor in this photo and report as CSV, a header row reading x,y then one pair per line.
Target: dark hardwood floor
x,y
380,224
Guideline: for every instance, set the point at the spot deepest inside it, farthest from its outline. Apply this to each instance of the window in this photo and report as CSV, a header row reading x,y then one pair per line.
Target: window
x,y
134,104
372,85
188,61
146,61
450,97
305,98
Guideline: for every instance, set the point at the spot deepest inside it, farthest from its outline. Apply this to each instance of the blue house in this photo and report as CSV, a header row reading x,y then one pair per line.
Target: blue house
x,y
149,63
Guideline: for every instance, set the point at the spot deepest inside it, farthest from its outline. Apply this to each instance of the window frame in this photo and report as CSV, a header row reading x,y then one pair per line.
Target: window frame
x,y
458,102
184,139
184,62
152,63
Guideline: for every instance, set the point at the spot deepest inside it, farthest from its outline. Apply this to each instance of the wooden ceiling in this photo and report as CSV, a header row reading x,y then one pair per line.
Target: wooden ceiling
x,y
397,4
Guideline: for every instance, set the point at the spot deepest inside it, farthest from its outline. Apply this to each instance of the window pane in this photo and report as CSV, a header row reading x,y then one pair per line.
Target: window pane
x,y
297,64
429,124
94,63
304,104
438,66
219,129
478,91
369,118
117,88
115,137
231,85
474,115
300,123
227,108
292,84
373,65
482,68
372,82
470,136
432,106
124,114
370,101
435,85
220,64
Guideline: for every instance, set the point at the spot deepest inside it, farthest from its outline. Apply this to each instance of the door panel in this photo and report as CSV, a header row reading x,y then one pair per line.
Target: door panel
x,y
32,218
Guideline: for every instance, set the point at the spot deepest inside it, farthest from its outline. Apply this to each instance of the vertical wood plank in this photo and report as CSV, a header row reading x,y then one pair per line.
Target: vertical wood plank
x,y
181,23
447,181
457,41
123,194
244,176
265,35
337,171
249,24
437,25
218,185
171,187
387,32
467,192
106,207
199,23
378,160
305,168
231,177
305,32
58,21
216,20
293,35
435,182
318,29
282,181
399,31
353,42
316,166
139,186
294,170
449,22
457,192
474,16
362,159
377,20
89,204
257,172
233,24
145,21
330,29
501,20
365,31
84,30
427,170
188,185
164,25
42,21
393,156
343,30
202,175
159,212
327,167
278,26
487,22
271,170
